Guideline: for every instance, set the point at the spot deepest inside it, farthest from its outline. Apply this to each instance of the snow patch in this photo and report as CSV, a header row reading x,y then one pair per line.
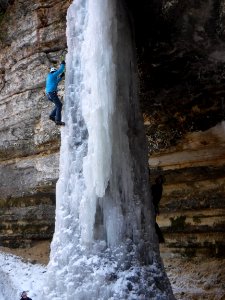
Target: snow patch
x,y
17,276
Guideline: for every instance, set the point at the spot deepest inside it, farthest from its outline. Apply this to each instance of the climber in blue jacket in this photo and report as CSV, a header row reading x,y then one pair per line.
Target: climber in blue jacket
x,y
52,80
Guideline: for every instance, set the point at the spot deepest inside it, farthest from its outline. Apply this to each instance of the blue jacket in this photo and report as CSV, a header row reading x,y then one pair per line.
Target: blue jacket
x,y
53,79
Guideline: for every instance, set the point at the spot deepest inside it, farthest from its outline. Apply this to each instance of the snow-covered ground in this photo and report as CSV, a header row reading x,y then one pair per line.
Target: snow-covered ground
x,y
191,279
17,276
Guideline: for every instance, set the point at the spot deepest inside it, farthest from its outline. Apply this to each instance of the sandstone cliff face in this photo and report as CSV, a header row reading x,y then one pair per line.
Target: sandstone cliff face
x,y
180,47
32,38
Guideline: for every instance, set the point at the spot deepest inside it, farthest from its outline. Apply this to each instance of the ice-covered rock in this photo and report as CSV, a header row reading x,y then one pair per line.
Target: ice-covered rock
x,y
104,246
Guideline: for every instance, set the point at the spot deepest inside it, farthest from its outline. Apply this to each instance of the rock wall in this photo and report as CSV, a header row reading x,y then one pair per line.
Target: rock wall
x,y
192,206
181,66
180,47
32,38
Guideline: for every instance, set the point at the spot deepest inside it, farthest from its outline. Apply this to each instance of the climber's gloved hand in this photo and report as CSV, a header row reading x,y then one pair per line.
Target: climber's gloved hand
x,y
62,75
63,62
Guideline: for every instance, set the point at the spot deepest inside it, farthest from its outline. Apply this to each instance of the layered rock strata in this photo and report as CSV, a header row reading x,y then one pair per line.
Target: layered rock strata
x,y
181,67
32,38
193,204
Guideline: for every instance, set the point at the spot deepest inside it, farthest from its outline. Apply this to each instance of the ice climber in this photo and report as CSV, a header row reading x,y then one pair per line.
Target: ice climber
x,y
24,296
52,80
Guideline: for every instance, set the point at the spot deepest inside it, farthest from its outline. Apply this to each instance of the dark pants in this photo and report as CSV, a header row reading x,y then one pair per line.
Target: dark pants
x,y
56,113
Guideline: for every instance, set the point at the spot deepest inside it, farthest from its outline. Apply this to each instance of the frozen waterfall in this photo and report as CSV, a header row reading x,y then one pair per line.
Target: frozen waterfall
x,y
104,245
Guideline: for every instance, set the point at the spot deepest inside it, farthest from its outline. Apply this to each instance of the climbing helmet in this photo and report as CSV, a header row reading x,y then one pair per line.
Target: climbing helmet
x,y
53,69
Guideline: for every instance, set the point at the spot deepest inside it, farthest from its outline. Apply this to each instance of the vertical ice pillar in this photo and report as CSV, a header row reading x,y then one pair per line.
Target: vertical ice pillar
x,y
104,246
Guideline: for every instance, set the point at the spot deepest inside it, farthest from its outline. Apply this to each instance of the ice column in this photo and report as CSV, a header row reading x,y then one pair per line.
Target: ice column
x,y
104,245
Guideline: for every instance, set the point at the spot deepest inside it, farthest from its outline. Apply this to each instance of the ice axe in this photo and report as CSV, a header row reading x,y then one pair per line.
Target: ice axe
x,y
63,55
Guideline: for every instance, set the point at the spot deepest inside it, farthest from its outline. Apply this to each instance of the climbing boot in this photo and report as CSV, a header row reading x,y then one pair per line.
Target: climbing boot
x,y
59,123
